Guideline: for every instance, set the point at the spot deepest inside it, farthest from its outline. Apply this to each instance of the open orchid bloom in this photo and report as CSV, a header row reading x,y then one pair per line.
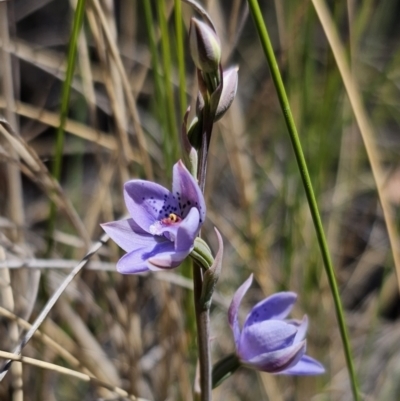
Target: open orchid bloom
x,y
163,226
269,342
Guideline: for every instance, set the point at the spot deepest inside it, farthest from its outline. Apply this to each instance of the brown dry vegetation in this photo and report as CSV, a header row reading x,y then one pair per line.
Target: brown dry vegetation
x,y
137,333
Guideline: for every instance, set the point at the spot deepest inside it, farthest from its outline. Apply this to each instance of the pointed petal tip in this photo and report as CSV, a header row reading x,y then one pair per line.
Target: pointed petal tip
x,y
233,310
306,366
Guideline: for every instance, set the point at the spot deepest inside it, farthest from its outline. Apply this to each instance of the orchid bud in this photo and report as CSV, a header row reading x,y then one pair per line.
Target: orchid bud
x,y
228,93
189,152
211,275
229,88
205,47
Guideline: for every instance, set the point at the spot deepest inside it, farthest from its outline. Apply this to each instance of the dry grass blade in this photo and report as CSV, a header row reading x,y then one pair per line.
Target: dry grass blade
x,y
69,372
92,353
48,341
73,127
126,86
7,299
41,175
50,303
55,264
15,205
364,125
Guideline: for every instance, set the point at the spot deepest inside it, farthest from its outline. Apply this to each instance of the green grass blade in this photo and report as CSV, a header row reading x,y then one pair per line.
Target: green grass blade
x,y
65,96
181,57
158,84
277,79
167,66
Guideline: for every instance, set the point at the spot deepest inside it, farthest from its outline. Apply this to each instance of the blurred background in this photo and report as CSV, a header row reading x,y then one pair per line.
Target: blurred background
x,y
129,93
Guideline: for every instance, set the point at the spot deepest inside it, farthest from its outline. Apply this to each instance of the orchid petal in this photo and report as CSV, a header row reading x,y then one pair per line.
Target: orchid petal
x,y
280,360
148,202
136,261
304,367
301,330
276,306
127,234
132,263
234,309
187,191
166,260
187,231
266,336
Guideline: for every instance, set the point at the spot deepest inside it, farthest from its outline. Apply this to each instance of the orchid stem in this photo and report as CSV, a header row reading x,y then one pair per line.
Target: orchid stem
x,y
202,313
203,335
284,102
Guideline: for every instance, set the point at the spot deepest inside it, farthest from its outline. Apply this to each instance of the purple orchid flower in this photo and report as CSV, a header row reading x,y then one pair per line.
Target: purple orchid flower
x,y
163,224
267,341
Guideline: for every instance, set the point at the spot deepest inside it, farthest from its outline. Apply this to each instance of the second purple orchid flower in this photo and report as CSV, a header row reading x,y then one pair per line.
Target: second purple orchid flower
x,y
268,341
163,225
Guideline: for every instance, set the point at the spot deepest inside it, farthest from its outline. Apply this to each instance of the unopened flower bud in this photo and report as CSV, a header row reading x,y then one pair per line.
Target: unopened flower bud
x,y
229,88
228,93
205,47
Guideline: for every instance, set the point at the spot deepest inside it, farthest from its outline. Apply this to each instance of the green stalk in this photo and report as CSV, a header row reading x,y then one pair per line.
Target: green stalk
x,y
181,57
283,100
65,96
160,94
173,139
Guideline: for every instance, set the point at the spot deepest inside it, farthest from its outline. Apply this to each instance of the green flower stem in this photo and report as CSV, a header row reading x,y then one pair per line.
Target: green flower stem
x,y
203,315
224,368
276,76
66,92
202,312
203,334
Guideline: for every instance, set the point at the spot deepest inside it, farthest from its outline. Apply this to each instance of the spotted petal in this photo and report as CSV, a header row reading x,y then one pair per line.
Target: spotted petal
x,y
187,231
306,366
187,191
148,202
